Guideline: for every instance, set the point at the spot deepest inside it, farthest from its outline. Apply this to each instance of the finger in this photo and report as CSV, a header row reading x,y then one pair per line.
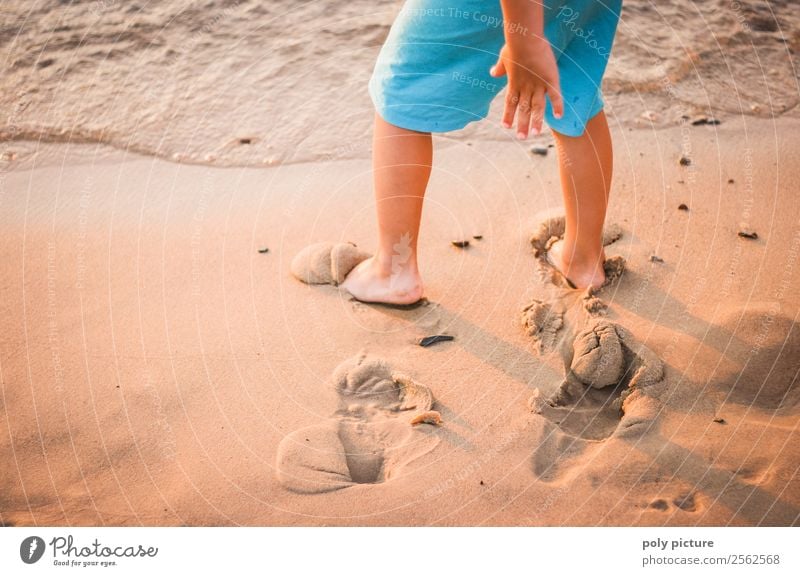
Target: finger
x,y
537,114
512,99
524,115
499,69
554,92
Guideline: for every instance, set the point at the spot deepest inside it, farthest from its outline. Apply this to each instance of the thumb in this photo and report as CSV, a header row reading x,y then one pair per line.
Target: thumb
x,y
499,69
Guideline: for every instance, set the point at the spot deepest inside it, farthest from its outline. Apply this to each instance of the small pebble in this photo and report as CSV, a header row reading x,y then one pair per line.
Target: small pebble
x,y
655,258
705,121
478,237
683,207
720,420
245,140
431,340
460,243
684,161
539,150
263,250
730,180
748,233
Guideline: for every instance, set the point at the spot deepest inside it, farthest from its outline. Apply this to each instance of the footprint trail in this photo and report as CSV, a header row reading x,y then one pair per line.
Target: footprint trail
x,y
371,438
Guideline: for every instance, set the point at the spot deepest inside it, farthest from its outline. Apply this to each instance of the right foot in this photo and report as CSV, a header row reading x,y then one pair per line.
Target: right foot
x,y
368,282
582,274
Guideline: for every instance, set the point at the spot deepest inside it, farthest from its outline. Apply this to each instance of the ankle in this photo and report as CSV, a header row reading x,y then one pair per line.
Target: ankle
x,y
576,256
393,264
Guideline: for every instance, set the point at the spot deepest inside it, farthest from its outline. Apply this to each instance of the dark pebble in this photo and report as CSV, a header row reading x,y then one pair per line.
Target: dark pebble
x,y
683,207
655,258
749,234
705,121
431,340
539,150
245,140
263,250
684,161
730,180
478,237
720,420
460,243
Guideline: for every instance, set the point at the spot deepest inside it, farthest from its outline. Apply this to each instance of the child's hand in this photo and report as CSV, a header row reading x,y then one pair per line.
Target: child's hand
x,y
532,73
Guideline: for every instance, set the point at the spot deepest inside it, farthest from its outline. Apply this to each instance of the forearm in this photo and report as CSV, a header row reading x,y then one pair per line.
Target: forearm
x,y
523,22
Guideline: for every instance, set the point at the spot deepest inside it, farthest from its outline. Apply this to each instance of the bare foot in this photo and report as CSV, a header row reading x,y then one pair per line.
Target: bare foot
x,y
582,273
369,282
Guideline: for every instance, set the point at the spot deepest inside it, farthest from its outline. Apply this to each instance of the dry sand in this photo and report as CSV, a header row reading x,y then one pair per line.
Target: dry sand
x,y
157,369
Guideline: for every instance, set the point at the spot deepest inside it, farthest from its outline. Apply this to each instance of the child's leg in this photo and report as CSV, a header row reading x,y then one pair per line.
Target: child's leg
x,y
585,165
401,161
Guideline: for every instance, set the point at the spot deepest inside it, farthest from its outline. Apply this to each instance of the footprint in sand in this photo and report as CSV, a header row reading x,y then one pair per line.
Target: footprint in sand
x,y
607,388
543,320
551,230
326,262
383,423
607,376
607,392
604,368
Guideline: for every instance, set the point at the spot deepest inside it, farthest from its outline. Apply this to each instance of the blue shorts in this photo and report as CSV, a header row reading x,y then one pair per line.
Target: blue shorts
x,y
432,74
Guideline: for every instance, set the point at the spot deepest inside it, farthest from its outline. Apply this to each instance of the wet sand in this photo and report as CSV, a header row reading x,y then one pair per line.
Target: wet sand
x,y
158,368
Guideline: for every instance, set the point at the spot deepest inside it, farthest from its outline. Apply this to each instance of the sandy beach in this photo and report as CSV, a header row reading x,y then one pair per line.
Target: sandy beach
x,y
161,366
153,360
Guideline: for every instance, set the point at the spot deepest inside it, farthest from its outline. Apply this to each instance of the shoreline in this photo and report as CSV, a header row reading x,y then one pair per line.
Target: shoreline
x,y
19,151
